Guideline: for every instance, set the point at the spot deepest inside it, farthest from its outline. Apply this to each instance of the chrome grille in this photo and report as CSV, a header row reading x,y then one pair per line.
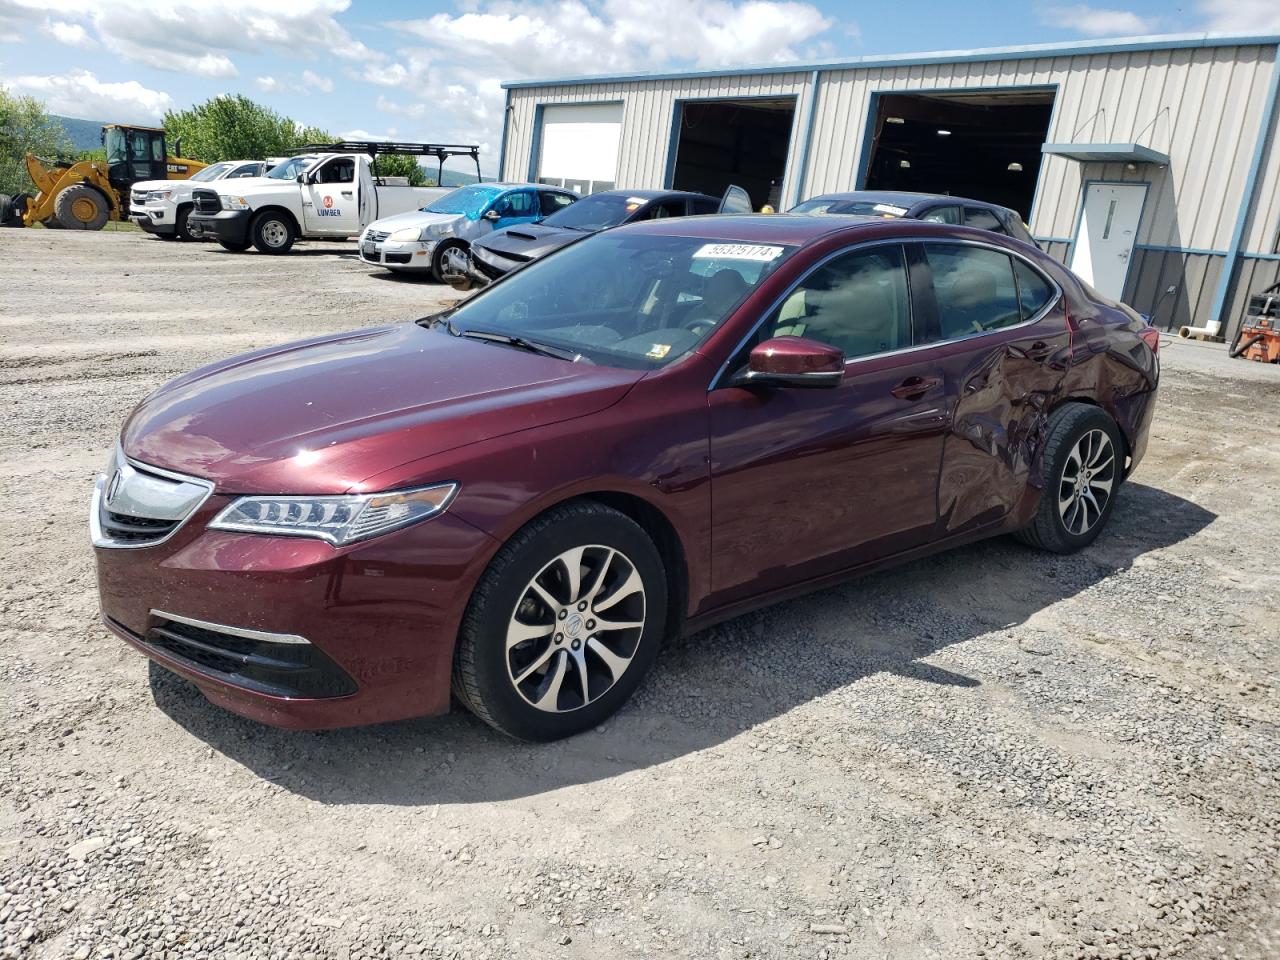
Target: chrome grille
x,y
376,236
135,505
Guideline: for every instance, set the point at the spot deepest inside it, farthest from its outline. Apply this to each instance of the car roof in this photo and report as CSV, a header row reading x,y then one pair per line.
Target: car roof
x,y
647,195
904,198
785,228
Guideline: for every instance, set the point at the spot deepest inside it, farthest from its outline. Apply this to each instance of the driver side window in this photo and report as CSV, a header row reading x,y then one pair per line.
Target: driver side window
x,y
858,301
342,170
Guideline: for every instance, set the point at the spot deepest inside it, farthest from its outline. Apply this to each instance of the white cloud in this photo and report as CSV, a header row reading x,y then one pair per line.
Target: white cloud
x,y
1242,16
448,84
1095,22
72,34
80,94
310,82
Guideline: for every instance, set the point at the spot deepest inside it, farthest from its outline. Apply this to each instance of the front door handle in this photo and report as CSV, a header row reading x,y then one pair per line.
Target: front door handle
x,y
913,388
347,194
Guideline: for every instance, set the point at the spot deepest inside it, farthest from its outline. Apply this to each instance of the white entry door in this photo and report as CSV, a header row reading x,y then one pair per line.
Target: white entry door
x,y
1108,231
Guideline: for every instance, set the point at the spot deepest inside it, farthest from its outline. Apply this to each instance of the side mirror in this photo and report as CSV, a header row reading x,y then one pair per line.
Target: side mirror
x,y
793,362
177,146
493,216
301,178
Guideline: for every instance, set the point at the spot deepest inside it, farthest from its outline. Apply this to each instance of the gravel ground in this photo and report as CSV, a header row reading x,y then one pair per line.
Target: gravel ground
x,y
990,753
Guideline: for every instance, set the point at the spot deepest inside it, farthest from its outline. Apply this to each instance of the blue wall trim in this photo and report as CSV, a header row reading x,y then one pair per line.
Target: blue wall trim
x,y
1260,256
1066,240
802,161
1185,251
868,141
1030,51
1247,198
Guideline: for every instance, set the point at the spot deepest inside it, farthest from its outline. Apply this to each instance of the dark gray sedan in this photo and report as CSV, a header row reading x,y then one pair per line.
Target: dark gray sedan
x,y
931,207
502,251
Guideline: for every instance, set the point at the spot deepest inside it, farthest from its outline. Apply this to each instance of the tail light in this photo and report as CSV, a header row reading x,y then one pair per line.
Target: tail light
x,y
1151,336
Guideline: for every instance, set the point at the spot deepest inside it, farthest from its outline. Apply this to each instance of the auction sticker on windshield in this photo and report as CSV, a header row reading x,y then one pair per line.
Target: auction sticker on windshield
x,y
737,251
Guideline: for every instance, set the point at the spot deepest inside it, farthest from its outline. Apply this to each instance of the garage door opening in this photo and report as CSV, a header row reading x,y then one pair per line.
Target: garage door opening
x,y
721,142
980,145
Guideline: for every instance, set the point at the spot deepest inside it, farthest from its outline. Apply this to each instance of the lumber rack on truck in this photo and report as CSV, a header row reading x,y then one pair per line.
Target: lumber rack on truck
x,y
375,148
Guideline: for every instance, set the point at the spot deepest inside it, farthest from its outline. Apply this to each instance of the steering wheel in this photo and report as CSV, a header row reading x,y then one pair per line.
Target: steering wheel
x,y
697,324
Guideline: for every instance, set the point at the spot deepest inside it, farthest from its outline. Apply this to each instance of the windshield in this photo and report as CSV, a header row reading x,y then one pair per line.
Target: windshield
x,y
596,212
623,299
838,205
113,142
212,172
470,201
290,169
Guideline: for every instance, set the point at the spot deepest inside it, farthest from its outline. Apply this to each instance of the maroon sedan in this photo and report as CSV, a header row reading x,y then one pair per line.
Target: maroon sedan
x,y
653,429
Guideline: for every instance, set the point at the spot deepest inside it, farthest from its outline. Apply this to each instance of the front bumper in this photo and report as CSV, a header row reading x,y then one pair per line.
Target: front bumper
x,y
398,254
487,265
152,221
294,632
226,226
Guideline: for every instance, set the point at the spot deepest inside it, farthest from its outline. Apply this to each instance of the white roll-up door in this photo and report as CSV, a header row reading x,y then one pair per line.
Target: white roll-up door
x,y
579,146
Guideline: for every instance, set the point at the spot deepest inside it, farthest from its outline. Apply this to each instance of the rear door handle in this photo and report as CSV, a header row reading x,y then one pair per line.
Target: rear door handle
x,y
913,388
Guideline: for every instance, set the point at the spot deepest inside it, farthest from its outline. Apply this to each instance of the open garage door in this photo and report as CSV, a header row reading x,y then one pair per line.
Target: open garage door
x,y
743,142
981,145
578,146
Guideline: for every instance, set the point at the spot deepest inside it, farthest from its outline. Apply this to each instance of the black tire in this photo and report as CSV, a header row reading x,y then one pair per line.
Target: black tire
x,y
1048,530
273,232
51,223
18,204
181,230
482,677
6,208
81,207
437,258
235,246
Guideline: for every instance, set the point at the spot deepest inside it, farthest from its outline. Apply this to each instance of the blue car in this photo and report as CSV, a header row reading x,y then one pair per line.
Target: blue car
x,y
422,240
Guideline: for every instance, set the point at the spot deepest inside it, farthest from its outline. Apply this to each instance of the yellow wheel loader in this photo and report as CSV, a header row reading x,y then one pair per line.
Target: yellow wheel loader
x,y
85,194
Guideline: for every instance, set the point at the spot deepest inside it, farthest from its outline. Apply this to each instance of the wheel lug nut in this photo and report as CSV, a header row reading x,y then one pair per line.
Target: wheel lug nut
x,y
562,614
591,624
582,605
559,638
577,644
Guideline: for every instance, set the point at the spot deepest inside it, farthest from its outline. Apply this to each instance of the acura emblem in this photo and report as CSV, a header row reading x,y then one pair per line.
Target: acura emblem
x,y
113,486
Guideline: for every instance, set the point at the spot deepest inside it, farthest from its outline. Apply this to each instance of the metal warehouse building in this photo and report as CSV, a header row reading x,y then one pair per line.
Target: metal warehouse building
x,y
1144,164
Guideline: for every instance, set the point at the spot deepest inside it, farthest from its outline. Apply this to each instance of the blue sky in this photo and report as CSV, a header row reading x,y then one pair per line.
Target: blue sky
x,y
431,70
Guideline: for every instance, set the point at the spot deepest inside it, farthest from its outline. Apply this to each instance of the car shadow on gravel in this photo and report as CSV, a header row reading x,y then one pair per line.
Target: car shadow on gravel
x,y
707,688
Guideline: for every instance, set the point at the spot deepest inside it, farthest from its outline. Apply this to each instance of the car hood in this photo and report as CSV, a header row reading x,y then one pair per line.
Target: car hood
x,y
529,240
414,218
144,185
323,415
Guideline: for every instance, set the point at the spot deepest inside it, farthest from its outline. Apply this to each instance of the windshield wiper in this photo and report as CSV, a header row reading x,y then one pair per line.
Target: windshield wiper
x,y
519,342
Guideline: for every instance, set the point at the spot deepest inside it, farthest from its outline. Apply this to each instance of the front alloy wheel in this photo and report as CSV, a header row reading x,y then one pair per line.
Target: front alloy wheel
x,y
575,629
564,623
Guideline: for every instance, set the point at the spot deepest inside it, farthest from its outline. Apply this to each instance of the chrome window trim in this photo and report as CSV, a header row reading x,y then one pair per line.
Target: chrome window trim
x,y
242,632
720,379
99,539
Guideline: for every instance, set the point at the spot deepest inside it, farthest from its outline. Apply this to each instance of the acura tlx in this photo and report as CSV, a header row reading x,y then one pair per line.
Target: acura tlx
x,y
650,430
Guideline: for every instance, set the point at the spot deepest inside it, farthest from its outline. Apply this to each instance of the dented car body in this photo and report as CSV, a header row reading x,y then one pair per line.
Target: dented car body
x,y
778,402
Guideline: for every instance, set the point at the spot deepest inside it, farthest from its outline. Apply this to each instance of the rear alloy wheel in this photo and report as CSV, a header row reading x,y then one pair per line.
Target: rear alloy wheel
x,y
81,208
563,625
273,232
1083,469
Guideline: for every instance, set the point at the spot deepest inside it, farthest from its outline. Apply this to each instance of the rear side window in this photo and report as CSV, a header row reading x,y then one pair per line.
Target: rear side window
x,y
519,204
551,202
974,288
665,209
942,215
1034,291
983,219
857,301
247,170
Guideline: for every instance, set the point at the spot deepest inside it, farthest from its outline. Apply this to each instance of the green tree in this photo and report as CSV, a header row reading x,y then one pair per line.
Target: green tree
x,y
402,165
235,128
26,127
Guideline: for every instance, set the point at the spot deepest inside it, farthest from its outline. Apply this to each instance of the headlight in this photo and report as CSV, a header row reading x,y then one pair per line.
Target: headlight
x,y
235,203
157,195
340,519
408,233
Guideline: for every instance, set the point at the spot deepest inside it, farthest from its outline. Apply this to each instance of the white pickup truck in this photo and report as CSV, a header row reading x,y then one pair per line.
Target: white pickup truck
x,y
162,207
313,197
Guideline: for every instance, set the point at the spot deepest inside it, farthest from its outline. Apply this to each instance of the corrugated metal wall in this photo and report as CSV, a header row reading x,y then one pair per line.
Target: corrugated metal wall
x,y
649,111
1202,105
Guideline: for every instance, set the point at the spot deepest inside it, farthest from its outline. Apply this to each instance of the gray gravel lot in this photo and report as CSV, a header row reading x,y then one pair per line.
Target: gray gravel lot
x,y
990,753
